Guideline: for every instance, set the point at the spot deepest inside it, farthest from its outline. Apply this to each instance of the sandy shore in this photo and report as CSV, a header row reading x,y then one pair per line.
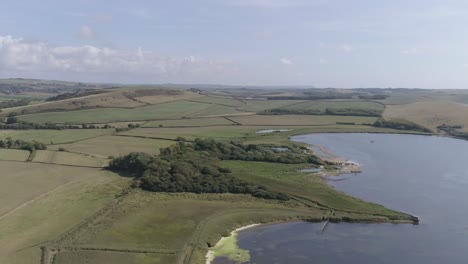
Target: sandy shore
x,y
210,254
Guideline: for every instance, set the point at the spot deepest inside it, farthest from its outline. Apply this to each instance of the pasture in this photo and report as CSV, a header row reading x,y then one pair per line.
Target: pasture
x,y
322,106
190,122
67,158
114,146
168,110
14,155
300,120
42,201
431,114
54,136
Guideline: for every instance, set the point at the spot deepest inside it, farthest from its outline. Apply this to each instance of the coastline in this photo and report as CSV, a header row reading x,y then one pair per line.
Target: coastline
x,y
210,255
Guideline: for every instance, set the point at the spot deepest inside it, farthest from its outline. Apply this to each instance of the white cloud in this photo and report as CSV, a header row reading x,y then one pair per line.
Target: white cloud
x,y
346,48
86,33
20,56
323,61
286,61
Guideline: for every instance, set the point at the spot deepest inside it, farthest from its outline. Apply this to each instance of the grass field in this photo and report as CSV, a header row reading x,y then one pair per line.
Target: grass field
x,y
54,136
219,100
218,132
14,154
41,201
190,122
431,114
218,110
300,120
321,106
67,158
169,110
186,223
115,146
260,105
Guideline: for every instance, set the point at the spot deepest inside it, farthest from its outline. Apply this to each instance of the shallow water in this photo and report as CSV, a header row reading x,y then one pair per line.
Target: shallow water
x,y
421,175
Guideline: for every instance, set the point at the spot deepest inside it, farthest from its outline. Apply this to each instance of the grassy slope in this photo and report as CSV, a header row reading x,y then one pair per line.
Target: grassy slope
x,y
431,113
48,210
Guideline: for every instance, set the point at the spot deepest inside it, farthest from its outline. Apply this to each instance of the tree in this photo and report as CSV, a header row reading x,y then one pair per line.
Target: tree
x,y
12,120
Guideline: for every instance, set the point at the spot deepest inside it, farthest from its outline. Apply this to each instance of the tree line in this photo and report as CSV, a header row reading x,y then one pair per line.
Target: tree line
x,y
10,143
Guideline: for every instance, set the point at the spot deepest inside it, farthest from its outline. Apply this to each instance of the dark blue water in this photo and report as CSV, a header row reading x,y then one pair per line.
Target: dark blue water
x,y
421,175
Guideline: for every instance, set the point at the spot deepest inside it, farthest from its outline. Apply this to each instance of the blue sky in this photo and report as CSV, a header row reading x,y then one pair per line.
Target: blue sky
x,y
325,43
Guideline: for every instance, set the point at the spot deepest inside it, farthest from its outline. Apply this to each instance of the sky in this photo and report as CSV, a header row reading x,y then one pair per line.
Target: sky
x,y
321,43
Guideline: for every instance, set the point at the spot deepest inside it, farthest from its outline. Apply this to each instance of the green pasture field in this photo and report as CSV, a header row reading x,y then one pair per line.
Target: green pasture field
x,y
300,120
176,109
321,106
190,122
431,113
42,201
218,100
67,158
186,223
260,105
106,146
54,136
217,110
217,132
14,155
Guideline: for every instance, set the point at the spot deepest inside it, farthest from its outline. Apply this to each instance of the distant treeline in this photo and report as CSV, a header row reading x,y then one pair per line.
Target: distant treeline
x,y
328,111
401,125
14,103
192,167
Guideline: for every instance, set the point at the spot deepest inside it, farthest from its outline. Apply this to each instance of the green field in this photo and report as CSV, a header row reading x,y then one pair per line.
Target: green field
x,y
300,120
14,154
190,122
219,100
169,110
54,136
322,106
260,105
42,201
114,146
67,158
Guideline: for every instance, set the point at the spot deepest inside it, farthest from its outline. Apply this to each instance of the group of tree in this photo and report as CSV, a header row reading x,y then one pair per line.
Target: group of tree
x,y
10,143
193,167
400,124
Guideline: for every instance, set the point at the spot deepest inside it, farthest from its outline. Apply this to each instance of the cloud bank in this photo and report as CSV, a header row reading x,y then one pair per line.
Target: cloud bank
x,y
19,56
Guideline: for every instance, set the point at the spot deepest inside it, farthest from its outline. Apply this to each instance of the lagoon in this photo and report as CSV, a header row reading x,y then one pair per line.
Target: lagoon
x,y
425,176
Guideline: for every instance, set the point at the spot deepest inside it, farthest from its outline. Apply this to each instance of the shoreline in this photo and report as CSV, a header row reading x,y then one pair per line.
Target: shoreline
x,y
210,254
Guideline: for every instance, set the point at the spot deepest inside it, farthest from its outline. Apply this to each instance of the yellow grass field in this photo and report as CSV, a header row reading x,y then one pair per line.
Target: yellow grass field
x,y
431,113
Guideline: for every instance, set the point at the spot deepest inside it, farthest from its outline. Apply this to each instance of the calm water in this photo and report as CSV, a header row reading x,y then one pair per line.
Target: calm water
x,y
424,176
